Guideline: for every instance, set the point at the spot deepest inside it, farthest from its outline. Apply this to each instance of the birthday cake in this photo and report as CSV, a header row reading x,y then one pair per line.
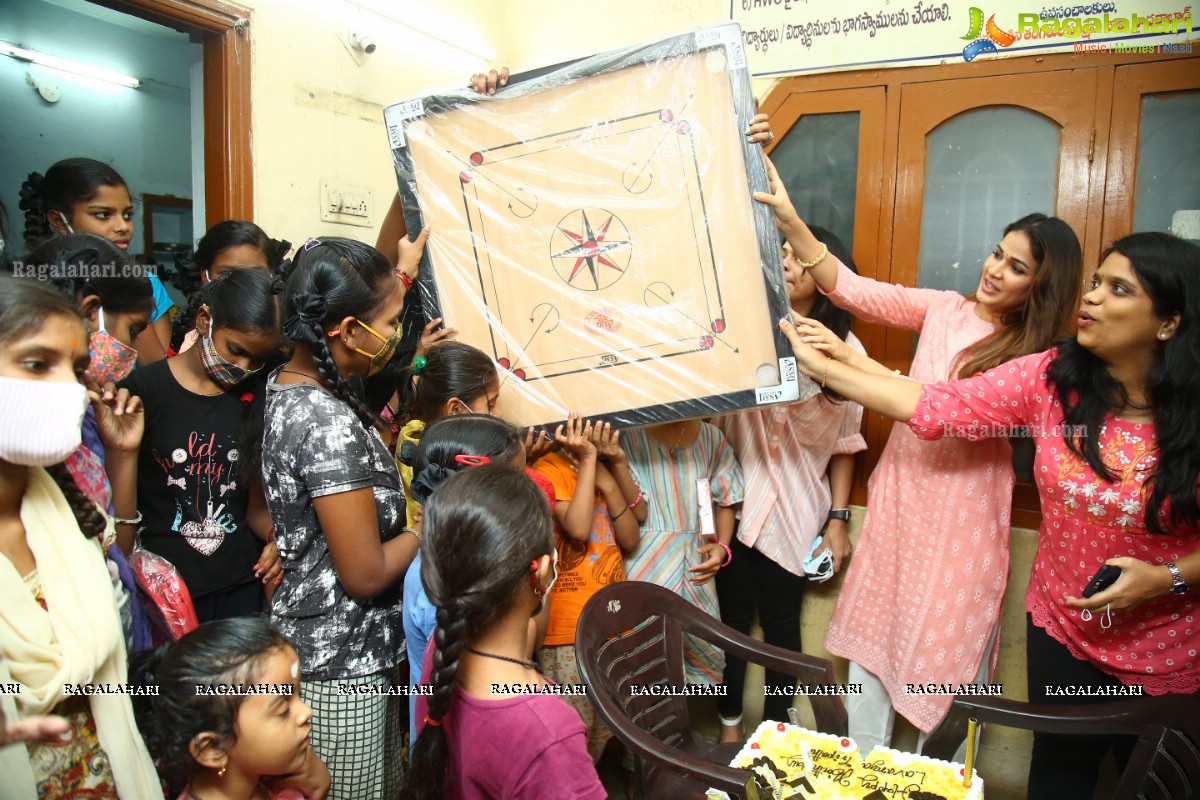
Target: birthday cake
x,y
792,762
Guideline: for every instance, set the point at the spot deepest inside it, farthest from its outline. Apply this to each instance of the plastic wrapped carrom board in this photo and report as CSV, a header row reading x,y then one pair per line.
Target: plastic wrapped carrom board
x,y
594,233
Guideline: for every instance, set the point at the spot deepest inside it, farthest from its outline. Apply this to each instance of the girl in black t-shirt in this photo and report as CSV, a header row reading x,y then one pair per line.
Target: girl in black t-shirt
x,y
195,483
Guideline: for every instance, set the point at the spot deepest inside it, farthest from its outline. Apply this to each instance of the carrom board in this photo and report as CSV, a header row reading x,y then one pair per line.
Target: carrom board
x,y
593,231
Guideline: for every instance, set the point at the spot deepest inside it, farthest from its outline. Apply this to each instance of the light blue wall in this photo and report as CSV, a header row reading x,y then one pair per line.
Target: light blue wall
x,y
144,133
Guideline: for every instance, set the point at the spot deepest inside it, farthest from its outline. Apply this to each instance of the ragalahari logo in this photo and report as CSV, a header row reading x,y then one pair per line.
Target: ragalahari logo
x,y
984,38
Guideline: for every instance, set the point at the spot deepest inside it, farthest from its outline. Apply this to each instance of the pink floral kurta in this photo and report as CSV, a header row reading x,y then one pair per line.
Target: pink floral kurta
x,y
925,584
1085,521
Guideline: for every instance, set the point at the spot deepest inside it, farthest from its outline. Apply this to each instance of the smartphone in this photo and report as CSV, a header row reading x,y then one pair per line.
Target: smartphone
x,y
1105,577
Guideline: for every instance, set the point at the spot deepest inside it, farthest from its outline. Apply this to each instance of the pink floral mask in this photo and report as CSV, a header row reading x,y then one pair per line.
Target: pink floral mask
x,y
111,361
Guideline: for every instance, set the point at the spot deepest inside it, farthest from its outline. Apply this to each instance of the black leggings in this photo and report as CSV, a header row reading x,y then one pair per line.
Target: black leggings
x,y
1065,766
753,582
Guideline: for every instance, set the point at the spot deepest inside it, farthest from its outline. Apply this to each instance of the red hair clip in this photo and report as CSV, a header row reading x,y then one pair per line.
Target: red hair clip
x,y
437,723
248,397
472,461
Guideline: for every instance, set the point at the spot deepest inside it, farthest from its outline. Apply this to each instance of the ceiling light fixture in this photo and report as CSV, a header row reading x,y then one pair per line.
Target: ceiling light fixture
x,y
75,67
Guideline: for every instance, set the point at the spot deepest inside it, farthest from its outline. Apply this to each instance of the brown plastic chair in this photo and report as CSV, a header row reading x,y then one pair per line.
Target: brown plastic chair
x,y
1164,765
631,634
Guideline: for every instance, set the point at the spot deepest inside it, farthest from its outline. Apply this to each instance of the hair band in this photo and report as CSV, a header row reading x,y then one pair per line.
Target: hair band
x,y
437,723
472,461
419,364
248,397
310,243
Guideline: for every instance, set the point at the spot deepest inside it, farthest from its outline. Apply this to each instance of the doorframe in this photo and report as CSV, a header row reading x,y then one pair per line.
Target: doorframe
x,y
224,31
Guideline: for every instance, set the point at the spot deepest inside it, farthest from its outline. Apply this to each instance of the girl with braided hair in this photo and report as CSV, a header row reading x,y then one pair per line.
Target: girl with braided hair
x,y
83,195
59,624
488,564
335,496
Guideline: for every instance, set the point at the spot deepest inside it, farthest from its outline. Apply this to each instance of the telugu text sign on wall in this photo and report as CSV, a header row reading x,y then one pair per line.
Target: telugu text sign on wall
x,y
794,36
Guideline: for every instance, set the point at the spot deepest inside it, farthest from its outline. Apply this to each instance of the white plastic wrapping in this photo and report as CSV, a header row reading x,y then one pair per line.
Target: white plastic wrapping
x,y
594,233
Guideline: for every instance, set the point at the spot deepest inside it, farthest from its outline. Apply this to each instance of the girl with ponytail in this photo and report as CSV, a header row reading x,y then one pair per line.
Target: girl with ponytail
x,y
488,564
335,496
194,487
59,624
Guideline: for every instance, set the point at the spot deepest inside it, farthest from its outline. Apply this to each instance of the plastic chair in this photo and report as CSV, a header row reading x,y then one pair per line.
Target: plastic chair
x,y
1164,764
630,634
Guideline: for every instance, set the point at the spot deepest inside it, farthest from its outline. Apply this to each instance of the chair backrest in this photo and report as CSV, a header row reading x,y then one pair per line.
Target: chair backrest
x,y
630,641
1165,763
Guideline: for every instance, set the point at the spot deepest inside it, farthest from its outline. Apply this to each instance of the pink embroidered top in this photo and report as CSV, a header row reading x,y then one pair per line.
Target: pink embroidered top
x,y
1085,521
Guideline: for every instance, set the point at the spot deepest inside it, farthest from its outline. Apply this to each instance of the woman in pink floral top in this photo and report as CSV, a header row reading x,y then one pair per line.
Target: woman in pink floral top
x,y
900,617
1116,441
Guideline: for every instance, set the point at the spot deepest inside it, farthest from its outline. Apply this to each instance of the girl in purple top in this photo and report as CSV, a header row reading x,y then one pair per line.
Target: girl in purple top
x,y
487,731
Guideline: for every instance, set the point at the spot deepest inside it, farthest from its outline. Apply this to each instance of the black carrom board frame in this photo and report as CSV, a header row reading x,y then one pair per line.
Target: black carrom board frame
x,y
601,241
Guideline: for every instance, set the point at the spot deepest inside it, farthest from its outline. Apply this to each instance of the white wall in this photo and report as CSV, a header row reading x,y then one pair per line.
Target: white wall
x,y
143,133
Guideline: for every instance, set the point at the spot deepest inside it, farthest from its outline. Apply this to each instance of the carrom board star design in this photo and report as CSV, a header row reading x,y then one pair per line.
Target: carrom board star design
x,y
593,232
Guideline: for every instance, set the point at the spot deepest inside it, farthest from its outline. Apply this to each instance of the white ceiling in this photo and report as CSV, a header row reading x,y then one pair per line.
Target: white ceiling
x,y
117,18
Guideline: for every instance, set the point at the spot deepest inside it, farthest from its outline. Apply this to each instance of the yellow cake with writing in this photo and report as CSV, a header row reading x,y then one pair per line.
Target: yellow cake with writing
x,y
793,762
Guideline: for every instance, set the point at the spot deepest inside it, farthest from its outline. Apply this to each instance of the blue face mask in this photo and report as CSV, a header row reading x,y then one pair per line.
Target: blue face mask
x,y
818,564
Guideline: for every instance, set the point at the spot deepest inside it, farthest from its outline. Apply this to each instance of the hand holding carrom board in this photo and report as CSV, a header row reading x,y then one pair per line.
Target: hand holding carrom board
x,y
594,233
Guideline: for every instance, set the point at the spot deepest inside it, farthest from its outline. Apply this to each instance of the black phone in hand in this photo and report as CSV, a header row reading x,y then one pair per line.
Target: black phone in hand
x,y
1105,577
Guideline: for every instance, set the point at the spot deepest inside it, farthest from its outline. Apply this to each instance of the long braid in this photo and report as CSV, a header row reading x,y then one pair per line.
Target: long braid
x,y
37,227
91,521
327,369
427,765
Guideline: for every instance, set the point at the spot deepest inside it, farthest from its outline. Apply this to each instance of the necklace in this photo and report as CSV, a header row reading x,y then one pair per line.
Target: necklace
x,y
302,375
522,662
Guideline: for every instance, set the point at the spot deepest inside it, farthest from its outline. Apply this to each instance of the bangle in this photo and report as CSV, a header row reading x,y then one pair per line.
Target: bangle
x,y
135,521
820,257
405,279
414,532
728,554
639,499
623,510
825,377
271,532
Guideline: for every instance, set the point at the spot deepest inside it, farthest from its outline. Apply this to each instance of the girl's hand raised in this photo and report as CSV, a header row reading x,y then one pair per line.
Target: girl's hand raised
x,y
760,131
120,418
777,198
605,437
578,438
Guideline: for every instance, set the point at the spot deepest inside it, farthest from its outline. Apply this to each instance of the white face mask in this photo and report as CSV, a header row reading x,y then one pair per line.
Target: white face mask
x,y
40,421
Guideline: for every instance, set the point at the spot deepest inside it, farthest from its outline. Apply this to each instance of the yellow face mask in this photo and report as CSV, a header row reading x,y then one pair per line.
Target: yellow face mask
x,y
380,358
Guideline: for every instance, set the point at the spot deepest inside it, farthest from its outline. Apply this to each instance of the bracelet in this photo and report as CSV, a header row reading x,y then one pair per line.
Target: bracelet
x,y
825,377
271,532
639,499
414,532
618,516
135,521
728,554
405,279
820,257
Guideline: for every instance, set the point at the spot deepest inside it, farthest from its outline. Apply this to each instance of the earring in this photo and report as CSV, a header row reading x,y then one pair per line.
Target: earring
x,y
221,771
1163,336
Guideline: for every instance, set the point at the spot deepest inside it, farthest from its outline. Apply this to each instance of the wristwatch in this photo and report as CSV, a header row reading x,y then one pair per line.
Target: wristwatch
x,y
840,513
1178,584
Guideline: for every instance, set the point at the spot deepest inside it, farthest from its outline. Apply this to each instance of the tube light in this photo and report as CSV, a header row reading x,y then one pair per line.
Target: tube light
x,y
54,62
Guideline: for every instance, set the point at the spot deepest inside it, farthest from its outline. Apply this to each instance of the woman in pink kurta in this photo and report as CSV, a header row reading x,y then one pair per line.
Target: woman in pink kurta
x,y
1114,426
936,528
921,601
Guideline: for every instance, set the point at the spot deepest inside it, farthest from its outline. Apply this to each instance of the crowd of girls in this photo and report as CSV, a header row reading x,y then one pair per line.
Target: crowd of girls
x,y
351,520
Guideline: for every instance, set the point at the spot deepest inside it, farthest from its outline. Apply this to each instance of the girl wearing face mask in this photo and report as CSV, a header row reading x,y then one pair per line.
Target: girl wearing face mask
x,y
115,310
488,565
59,623
229,245
338,505
194,483
82,195
899,616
